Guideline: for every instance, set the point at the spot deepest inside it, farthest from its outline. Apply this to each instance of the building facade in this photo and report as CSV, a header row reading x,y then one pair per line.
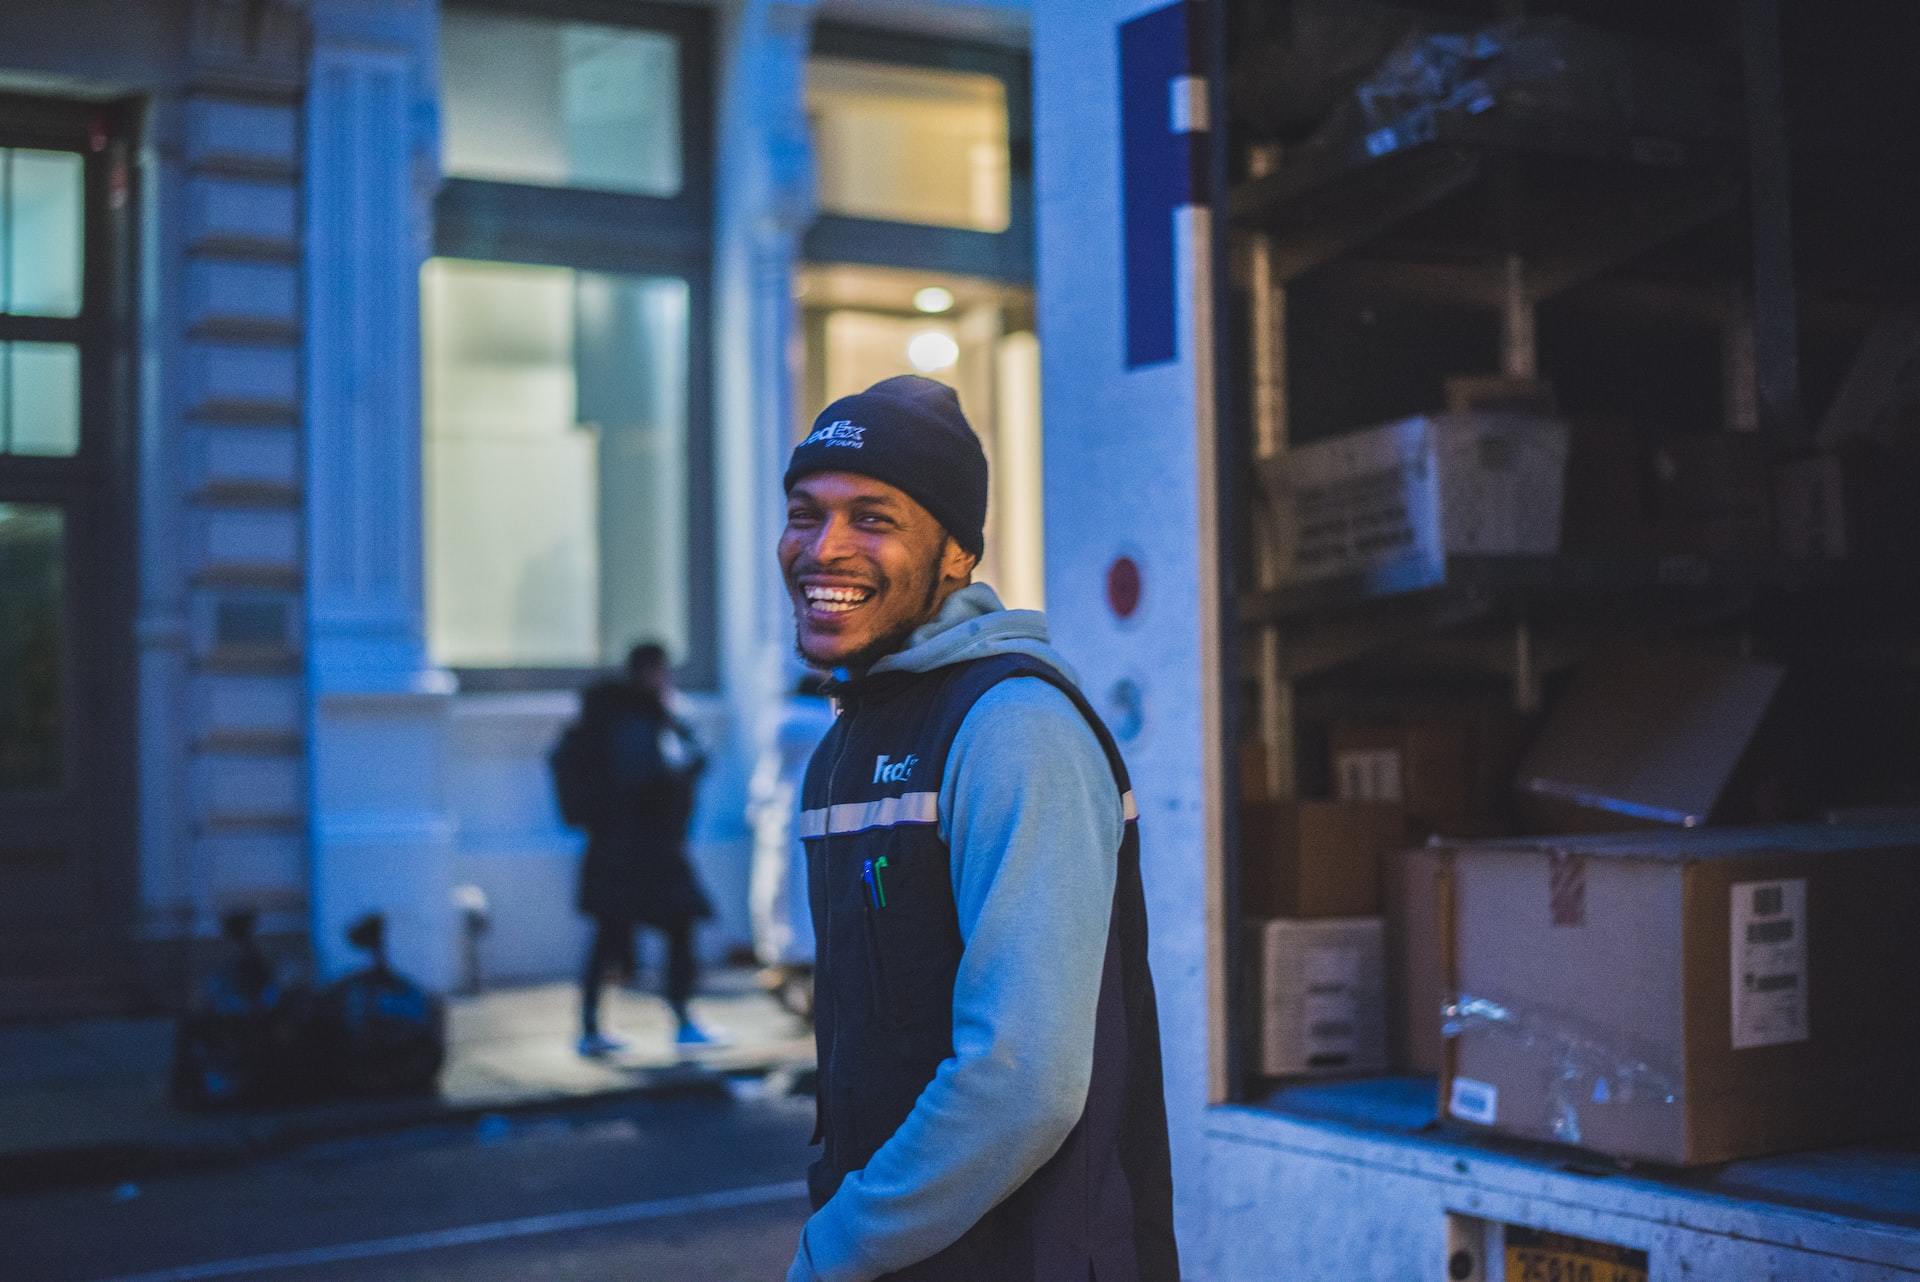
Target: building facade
x,y
375,372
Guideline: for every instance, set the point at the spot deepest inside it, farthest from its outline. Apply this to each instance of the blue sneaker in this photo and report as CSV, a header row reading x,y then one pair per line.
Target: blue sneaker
x,y
691,1034
594,1045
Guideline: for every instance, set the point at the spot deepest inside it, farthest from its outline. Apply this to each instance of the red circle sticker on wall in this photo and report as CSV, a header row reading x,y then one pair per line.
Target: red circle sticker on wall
x,y
1123,586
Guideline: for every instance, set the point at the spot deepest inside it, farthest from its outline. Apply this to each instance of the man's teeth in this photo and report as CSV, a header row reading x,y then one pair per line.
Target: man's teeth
x,y
836,600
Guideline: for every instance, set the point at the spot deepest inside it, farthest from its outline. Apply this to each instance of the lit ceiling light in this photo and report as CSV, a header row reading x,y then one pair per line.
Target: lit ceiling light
x,y
933,300
930,350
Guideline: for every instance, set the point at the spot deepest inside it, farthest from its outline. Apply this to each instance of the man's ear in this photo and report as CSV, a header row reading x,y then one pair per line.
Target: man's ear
x,y
956,563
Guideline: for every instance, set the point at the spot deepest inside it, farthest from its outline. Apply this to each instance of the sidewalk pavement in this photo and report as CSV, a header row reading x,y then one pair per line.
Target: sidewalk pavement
x,y
85,1101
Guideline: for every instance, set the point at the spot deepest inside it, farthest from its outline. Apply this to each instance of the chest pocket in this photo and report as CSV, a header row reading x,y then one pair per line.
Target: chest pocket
x,y
913,945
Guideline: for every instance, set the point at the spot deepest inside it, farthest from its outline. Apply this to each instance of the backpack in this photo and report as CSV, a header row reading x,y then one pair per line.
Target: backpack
x,y
575,767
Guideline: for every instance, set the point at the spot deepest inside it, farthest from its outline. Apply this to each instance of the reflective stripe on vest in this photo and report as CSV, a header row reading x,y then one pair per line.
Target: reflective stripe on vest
x,y
889,812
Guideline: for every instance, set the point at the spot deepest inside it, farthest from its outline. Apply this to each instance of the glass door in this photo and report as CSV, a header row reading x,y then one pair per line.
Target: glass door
x,y
66,859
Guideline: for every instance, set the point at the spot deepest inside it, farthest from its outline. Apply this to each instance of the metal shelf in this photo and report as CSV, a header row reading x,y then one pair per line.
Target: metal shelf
x,y
1562,581
1464,190
1555,599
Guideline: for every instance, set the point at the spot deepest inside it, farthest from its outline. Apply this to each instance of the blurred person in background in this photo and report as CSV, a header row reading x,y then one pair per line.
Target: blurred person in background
x,y
633,766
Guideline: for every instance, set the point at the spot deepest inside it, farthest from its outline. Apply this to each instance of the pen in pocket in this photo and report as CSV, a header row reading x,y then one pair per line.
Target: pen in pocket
x,y
876,888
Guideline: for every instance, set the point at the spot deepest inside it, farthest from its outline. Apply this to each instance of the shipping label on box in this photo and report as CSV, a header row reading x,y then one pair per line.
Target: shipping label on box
x,y
1474,1101
1330,1016
1769,938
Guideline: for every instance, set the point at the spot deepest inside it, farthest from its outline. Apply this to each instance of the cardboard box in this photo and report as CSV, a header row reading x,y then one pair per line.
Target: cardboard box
x,y
1646,737
1392,503
1411,885
1315,858
1321,997
1687,997
1428,770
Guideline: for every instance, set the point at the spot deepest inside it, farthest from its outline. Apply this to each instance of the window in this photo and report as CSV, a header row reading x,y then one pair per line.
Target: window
x,y
42,206
909,144
561,104
566,450
922,154
556,433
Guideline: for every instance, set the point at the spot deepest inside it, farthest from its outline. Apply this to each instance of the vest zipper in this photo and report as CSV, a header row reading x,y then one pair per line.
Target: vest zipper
x,y
822,1095
877,966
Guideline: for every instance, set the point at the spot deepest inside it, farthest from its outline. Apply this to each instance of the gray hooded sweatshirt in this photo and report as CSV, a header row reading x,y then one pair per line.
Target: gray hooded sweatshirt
x,y
1032,815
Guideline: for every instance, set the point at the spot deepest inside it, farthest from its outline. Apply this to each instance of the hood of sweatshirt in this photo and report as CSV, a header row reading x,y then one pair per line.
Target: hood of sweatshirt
x,y
973,624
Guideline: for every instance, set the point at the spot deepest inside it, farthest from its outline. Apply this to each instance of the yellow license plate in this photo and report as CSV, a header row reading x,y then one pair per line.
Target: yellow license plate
x,y
1534,1255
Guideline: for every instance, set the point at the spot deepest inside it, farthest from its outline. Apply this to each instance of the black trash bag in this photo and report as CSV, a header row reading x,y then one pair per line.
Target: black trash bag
x,y
248,1038
382,1034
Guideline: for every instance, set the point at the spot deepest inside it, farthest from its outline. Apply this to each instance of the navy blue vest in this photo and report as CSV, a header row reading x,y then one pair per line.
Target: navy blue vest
x,y
888,952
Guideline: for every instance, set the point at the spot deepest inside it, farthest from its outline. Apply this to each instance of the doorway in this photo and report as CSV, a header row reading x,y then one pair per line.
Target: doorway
x,y
67,868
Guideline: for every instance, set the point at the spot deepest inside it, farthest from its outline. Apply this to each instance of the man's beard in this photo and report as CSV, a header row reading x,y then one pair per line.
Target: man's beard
x,y
895,638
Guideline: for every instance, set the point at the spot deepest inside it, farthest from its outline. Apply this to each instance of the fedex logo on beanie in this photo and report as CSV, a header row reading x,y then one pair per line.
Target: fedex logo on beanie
x,y
841,432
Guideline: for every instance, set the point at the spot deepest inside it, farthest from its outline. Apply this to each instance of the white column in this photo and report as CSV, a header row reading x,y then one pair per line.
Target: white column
x,y
382,836
763,204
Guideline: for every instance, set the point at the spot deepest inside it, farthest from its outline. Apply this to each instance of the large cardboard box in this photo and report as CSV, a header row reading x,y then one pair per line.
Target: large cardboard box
x,y
1392,503
1411,884
1321,997
1686,997
1315,858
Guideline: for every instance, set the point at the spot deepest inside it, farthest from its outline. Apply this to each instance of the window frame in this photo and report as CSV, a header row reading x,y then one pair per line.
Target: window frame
x,y
626,233
1003,256
89,132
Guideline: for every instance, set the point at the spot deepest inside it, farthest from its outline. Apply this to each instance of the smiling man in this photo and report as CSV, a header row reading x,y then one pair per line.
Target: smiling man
x,y
990,1090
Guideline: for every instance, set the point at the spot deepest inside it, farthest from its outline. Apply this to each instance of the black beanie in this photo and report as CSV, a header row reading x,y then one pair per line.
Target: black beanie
x,y
909,432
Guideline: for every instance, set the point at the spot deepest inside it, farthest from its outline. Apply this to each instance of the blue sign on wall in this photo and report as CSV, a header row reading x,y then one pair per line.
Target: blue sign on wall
x,y
1158,172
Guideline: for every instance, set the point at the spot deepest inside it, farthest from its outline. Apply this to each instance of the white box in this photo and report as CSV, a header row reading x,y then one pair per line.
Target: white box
x,y
1391,503
1322,994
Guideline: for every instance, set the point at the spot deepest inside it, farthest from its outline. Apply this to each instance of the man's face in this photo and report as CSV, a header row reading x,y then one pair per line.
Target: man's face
x,y
865,565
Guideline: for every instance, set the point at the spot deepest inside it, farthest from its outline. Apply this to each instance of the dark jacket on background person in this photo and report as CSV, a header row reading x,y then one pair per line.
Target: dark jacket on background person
x,y
644,764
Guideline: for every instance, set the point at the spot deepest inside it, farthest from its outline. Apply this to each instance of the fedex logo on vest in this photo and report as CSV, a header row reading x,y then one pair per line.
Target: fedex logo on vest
x,y
887,770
